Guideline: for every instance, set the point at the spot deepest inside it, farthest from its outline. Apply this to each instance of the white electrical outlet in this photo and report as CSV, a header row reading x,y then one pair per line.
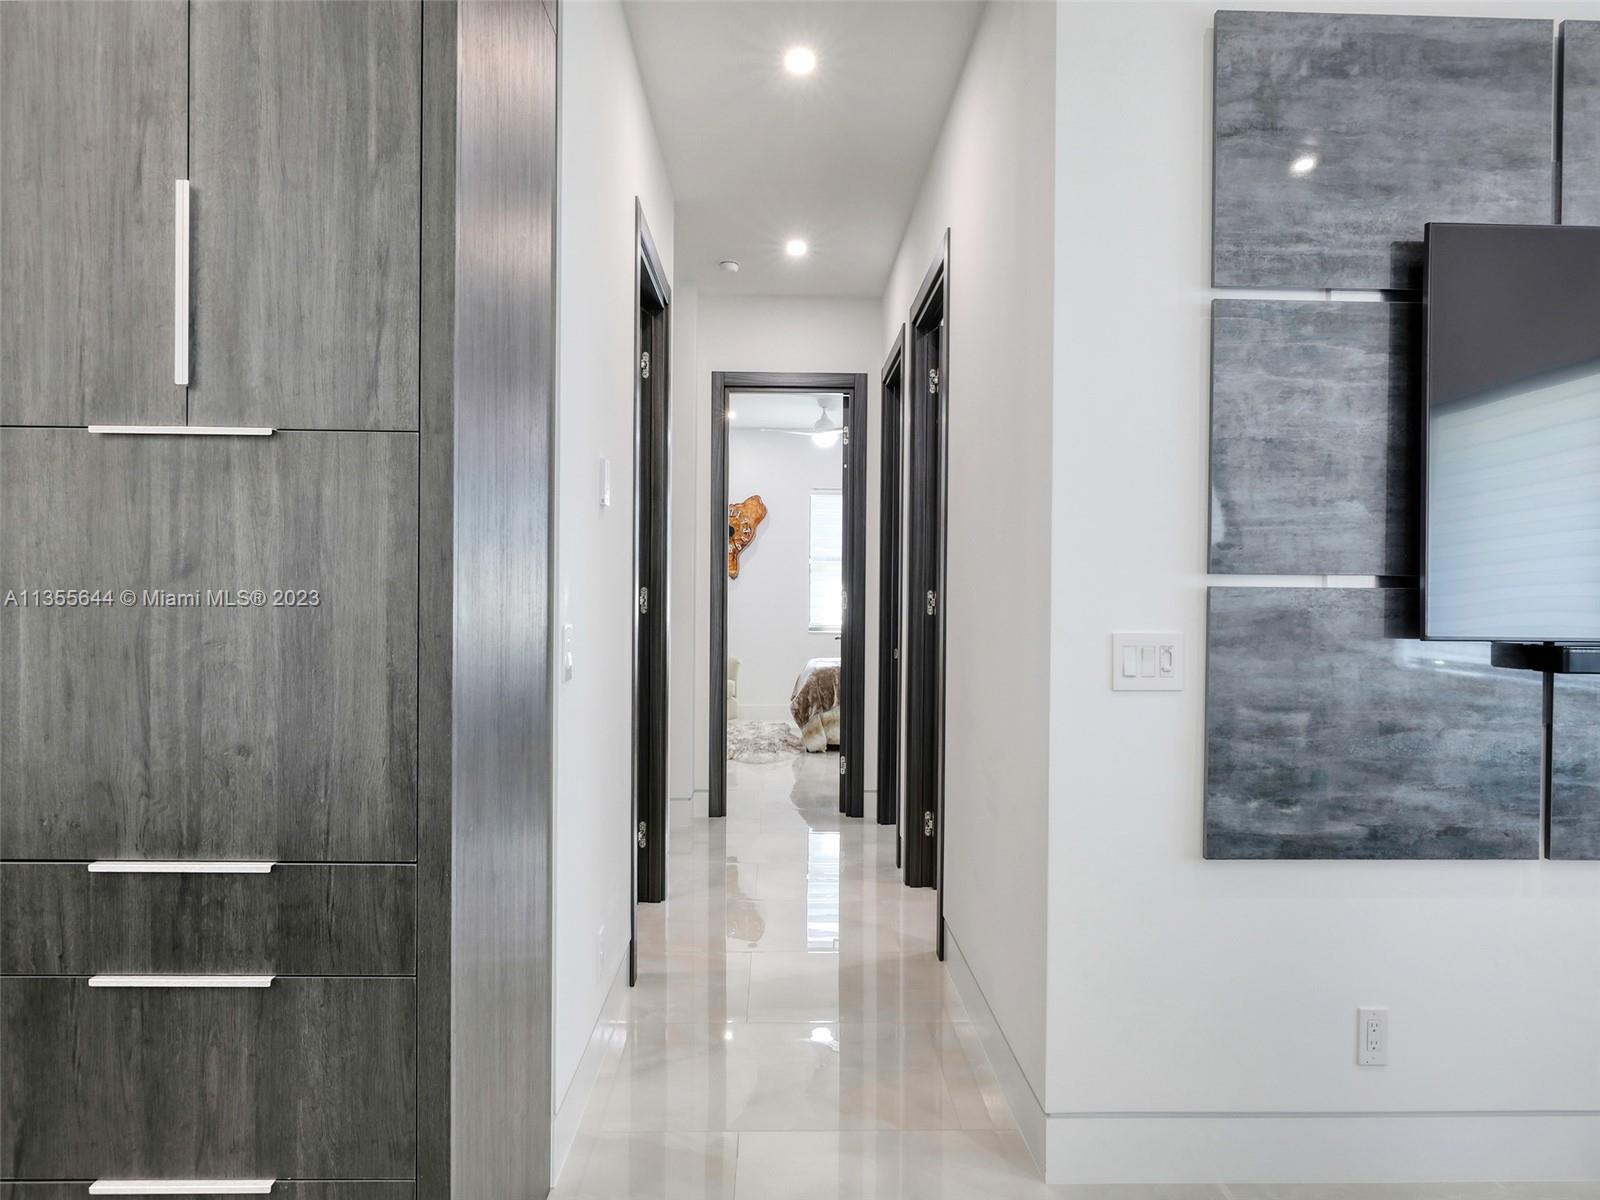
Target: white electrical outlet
x,y
1372,1037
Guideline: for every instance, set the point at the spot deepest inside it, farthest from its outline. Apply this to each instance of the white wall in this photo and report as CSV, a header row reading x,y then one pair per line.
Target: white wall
x,y
769,605
990,184
744,333
608,156
1180,987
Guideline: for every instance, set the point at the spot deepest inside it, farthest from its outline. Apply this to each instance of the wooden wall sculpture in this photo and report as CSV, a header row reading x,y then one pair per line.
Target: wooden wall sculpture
x,y
743,518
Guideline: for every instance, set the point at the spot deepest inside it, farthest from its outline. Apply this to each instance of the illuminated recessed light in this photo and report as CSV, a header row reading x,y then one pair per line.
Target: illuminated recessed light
x,y
796,247
730,264
1304,165
800,60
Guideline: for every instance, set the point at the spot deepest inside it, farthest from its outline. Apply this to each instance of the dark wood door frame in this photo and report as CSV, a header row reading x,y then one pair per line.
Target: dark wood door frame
x,y
928,403
652,440
853,648
892,404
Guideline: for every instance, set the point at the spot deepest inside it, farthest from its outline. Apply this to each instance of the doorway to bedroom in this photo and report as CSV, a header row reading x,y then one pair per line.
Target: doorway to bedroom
x,y
788,650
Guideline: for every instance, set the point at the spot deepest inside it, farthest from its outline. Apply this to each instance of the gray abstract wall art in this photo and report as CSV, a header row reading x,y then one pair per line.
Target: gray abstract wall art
x,y
1314,446
1331,732
1338,136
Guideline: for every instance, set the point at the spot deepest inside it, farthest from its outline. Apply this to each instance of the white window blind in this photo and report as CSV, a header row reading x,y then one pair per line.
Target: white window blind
x,y
827,560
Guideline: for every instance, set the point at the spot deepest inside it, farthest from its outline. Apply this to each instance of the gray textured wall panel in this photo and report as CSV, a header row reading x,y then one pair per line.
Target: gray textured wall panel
x,y
1314,438
1575,768
1332,733
1406,119
1580,122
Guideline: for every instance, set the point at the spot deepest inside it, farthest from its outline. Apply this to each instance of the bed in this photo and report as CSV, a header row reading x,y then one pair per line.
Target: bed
x,y
815,704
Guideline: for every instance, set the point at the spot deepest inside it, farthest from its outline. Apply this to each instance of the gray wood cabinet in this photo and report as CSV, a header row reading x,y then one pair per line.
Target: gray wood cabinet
x,y
360,1189
92,113
177,726
297,919
341,246
306,157
308,1078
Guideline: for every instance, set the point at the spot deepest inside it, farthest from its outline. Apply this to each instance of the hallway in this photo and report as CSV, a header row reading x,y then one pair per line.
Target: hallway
x,y
792,1034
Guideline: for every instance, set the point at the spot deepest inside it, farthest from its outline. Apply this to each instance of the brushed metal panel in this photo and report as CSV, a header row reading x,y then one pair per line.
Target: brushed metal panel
x,y
1331,732
305,156
1337,136
1315,448
296,920
310,1078
92,136
504,355
191,730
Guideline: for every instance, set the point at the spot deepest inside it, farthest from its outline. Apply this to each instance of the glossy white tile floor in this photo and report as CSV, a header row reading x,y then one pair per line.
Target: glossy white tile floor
x,y
792,1034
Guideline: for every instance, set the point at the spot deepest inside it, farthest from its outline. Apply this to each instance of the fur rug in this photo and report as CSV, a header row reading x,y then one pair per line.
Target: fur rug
x,y
762,741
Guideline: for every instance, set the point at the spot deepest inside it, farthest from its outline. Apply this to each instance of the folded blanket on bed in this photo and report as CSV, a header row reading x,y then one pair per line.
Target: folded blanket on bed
x,y
815,703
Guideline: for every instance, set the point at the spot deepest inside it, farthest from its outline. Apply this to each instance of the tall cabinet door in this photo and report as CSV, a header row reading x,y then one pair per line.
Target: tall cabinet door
x,y
244,685
92,137
306,159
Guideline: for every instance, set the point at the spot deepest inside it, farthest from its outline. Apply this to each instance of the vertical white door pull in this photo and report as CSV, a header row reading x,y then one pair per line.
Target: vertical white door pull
x,y
180,284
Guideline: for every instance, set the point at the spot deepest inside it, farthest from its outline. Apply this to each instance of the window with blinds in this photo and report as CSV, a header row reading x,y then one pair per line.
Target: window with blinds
x,y
827,561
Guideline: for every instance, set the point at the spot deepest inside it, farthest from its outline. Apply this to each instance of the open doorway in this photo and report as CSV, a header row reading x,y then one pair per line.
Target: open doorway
x,y
651,453
788,618
927,402
890,547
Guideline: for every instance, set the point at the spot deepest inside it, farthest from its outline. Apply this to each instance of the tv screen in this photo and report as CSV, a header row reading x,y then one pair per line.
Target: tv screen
x,y
1512,434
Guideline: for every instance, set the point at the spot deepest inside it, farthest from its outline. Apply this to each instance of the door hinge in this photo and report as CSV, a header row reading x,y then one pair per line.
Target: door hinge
x,y
932,603
933,381
644,601
895,653
644,365
844,600
927,824
846,433
842,770
640,836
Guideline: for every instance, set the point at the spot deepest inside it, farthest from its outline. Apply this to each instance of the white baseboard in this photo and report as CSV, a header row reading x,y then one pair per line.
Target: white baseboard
x,y
1025,1107
569,1113
1314,1148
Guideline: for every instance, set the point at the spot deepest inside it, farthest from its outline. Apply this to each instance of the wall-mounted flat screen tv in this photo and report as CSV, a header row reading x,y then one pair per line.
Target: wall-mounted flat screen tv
x,y
1512,434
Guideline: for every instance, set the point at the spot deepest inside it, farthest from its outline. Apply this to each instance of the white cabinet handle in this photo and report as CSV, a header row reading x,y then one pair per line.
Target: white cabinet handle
x,y
181,1187
181,981
134,866
180,283
187,430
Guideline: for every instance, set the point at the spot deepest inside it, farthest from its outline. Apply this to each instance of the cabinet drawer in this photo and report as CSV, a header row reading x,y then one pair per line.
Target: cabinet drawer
x,y
305,1079
294,920
173,724
364,1189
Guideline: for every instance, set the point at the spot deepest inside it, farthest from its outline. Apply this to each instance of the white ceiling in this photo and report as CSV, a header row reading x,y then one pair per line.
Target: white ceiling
x,y
757,156
782,410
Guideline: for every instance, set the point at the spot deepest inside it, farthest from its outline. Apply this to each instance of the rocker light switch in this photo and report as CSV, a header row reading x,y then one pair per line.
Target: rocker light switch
x,y
1147,661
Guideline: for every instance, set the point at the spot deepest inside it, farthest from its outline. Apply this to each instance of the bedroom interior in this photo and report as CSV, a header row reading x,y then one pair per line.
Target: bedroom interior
x,y
785,577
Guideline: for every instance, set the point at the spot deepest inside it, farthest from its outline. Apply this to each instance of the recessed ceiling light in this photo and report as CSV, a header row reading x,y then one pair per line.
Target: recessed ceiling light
x,y
800,60
730,264
795,247
1304,165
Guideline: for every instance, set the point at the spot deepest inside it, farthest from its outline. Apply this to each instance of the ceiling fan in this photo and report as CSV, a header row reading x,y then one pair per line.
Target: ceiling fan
x,y
824,433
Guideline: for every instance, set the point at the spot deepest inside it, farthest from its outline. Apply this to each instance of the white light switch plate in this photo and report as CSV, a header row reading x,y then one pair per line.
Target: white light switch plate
x,y
1147,660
